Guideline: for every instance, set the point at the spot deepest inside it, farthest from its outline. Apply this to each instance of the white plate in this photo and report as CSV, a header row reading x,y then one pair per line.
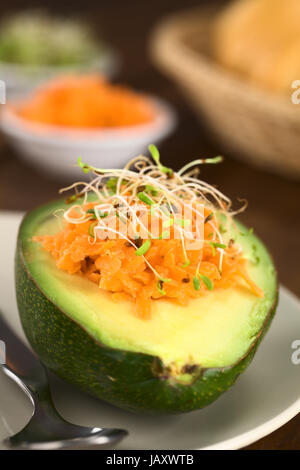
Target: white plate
x,y
264,398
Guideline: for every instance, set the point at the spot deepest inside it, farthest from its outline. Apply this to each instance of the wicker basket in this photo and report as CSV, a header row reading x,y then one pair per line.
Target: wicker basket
x,y
252,124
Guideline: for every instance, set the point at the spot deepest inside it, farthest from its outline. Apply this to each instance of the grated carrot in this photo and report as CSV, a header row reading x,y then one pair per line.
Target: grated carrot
x,y
114,266
87,102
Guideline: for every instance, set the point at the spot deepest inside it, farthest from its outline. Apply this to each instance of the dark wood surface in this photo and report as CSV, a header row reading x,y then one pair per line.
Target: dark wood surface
x,y
273,201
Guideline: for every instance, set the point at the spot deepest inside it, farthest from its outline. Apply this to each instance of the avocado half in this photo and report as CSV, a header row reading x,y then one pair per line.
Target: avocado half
x,y
180,360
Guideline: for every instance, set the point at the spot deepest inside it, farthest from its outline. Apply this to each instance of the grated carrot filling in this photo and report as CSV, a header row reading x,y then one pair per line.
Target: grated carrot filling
x,y
113,265
88,102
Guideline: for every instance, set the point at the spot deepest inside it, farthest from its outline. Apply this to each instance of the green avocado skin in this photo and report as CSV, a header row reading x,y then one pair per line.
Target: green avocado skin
x,y
133,381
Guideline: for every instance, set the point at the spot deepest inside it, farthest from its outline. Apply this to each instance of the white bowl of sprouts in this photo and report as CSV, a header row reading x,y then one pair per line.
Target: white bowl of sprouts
x,y
55,149
35,46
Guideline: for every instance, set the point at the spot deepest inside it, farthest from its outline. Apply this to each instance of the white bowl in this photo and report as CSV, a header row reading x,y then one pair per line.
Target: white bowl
x,y
20,80
55,150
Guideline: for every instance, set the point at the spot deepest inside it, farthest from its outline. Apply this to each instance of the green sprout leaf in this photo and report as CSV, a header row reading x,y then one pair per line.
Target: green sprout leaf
x,y
196,283
142,250
71,199
144,198
208,282
159,286
165,279
220,245
85,168
111,185
151,189
217,159
208,218
91,230
91,212
156,157
155,153
215,245
102,215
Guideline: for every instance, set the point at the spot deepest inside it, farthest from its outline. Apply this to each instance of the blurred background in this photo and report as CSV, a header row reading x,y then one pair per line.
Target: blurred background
x,y
221,107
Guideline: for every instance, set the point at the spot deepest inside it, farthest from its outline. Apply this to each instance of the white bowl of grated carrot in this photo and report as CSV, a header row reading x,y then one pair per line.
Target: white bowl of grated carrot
x,y
55,150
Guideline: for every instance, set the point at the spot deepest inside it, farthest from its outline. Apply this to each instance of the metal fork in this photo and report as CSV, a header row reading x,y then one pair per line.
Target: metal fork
x,y
46,429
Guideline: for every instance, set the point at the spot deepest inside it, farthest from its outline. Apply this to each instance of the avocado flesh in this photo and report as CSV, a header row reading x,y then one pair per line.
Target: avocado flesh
x,y
213,331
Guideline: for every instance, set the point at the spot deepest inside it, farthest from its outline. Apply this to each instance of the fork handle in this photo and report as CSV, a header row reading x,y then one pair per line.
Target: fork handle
x,y
20,360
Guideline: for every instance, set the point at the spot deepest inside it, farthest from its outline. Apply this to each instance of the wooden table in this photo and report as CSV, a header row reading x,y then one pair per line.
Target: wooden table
x,y
273,201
